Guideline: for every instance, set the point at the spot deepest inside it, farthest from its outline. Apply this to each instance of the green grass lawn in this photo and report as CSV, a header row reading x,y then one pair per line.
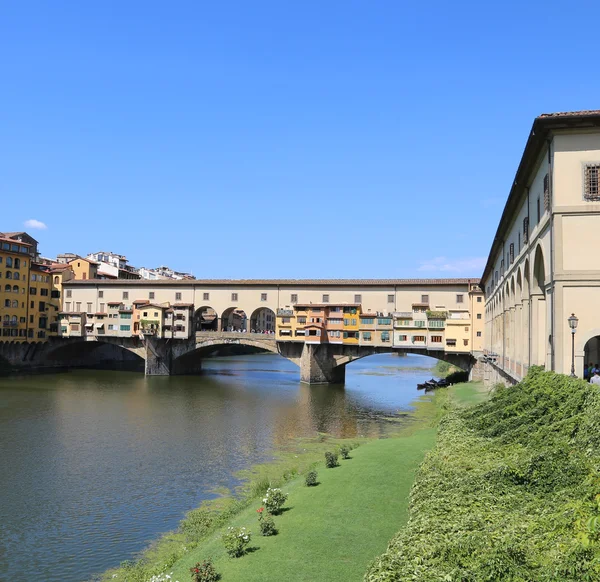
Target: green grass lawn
x,y
333,531
469,394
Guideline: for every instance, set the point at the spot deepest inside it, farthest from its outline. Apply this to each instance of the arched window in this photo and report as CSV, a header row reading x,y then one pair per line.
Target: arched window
x,y
17,263
7,289
9,274
56,280
7,303
15,303
7,318
14,319
9,261
15,289
16,276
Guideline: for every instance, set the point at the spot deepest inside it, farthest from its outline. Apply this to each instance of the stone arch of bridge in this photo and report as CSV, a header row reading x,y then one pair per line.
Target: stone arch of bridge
x,y
462,361
190,361
74,352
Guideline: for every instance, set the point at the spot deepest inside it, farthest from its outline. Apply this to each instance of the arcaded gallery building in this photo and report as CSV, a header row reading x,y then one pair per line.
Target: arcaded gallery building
x,y
542,277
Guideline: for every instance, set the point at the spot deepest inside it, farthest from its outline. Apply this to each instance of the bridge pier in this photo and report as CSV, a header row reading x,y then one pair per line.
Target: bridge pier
x,y
318,366
159,356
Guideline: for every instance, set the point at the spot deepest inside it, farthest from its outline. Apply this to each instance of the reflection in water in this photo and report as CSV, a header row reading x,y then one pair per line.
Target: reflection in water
x,y
95,464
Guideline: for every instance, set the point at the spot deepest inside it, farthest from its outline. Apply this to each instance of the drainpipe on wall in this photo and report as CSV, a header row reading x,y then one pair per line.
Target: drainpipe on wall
x,y
552,302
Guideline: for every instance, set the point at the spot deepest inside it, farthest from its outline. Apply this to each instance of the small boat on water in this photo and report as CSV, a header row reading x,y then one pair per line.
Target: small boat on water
x,y
433,384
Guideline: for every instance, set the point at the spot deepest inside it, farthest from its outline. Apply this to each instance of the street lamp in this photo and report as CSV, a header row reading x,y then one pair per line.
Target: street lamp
x,y
573,321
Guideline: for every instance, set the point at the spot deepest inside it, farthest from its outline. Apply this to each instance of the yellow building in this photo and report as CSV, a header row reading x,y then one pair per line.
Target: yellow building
x,y
351,316
15,262
60,274
83,269
286,324
43,307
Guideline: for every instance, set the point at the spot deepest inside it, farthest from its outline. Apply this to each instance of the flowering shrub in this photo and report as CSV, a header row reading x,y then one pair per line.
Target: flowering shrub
x,y
235,540
311,478
345,451
274,500
204,572
266,523
331,460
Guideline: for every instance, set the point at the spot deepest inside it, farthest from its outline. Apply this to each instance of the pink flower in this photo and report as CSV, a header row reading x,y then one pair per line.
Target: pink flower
x,y
260,510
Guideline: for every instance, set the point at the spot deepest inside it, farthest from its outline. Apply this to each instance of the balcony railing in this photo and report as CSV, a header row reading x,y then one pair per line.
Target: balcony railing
x,y
10,324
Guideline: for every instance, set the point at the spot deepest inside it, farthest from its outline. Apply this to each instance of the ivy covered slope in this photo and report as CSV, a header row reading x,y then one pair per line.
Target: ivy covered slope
x,y
511,491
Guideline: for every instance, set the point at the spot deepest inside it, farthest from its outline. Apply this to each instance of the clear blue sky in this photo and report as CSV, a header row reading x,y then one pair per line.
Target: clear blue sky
x,y
279,139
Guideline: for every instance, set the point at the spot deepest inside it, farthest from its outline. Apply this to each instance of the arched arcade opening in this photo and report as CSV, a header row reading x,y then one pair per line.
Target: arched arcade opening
x,y
262,320
234,319
206,319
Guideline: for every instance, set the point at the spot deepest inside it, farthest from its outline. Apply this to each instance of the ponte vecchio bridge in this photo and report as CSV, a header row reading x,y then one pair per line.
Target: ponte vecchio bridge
x,y
321,325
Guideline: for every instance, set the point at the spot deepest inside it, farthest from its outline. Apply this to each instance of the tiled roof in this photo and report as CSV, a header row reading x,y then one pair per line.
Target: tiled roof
x,y
584,113
12,240
280,282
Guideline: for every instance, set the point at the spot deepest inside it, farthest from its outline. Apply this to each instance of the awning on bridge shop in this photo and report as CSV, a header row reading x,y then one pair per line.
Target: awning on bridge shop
x,y
99,325
91,324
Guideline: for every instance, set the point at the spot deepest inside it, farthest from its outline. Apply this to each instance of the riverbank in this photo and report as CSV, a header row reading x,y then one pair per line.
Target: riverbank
x,y
329,532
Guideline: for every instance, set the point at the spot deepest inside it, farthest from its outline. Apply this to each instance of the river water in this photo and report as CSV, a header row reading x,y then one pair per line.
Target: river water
x,y
95,464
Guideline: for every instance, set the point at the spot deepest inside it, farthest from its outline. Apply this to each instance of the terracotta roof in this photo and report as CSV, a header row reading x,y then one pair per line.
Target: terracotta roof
x,y
275,282
183,305
12,240
60,267
83,259
138,301
542,127
584,113
12,235
114,302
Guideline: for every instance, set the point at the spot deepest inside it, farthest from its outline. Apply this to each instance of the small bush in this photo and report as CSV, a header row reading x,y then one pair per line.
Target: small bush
x,y
345,451
235,540
197,523
311,478
274,499
331,460
266,523
204,572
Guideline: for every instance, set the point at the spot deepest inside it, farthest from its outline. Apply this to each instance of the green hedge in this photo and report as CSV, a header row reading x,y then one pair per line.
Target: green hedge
x,y
511,492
